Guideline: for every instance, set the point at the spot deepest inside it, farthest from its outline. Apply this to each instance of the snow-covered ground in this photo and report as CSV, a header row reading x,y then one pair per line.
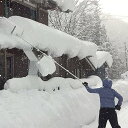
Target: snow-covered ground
x,y
58,103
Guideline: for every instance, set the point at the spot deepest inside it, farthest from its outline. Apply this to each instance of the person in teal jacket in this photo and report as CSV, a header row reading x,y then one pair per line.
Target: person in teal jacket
x,y
107,103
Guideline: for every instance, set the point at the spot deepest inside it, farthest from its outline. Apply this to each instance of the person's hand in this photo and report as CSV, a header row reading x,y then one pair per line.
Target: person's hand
x,y
117,107
85,84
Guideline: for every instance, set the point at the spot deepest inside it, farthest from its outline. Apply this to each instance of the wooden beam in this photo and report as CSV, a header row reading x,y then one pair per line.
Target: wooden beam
x,y
25,3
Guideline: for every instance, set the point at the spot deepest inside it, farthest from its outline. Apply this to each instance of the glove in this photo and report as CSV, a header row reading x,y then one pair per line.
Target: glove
x,y
117,107
85,84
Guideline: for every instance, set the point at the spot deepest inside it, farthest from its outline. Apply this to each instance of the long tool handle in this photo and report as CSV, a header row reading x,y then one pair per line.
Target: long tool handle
x,y
47,55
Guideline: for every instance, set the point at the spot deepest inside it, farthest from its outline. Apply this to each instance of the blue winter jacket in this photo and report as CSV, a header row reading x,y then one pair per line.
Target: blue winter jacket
x,y
107,95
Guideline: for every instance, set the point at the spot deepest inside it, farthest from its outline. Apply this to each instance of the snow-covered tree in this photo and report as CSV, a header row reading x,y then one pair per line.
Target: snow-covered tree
x,y
84,23
118,66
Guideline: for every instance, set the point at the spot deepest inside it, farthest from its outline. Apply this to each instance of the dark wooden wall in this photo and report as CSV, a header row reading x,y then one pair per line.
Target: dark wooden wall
x,y
1,8
21,10
101,72
80,68
36,14
20,64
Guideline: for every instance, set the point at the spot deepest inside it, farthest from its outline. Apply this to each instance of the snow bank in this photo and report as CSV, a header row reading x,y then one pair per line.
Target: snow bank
x,y
93,81
51,107
122,87
56,83
48,106
25,83
45,38
37,109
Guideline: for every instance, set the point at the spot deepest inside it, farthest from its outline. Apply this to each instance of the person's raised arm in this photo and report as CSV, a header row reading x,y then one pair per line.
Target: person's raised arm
x,y
91,90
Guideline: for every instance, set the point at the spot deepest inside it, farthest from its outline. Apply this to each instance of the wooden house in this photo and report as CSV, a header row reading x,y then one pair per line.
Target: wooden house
x,y
15,63
13,60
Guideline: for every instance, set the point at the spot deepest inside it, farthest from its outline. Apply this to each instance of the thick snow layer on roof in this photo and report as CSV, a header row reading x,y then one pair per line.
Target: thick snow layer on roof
x,y
43,37
103,57
100,58
34,82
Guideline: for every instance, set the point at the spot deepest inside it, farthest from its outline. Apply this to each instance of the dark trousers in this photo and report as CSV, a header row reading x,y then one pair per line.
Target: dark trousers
x,y
108,114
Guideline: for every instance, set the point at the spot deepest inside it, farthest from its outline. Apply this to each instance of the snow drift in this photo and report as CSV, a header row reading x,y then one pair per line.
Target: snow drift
x,y
34,103
30,102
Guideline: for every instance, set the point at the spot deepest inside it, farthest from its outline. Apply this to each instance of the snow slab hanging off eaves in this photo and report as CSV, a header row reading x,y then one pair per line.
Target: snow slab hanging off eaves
x,y
101,58
42,37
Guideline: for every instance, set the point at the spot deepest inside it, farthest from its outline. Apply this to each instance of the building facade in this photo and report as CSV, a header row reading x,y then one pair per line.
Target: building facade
x,y
14,62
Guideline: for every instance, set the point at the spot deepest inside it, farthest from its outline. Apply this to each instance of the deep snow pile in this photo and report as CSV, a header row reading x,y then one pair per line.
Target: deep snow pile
x,y
30,102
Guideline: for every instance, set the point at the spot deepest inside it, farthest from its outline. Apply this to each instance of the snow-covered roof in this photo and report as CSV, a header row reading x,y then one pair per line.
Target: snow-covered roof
x,y
102,57
42,37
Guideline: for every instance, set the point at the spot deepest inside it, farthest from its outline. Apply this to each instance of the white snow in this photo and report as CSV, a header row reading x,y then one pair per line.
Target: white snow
x,y
48,39
25,104
43,37
101,58
46,65
35,82
30,102
124,75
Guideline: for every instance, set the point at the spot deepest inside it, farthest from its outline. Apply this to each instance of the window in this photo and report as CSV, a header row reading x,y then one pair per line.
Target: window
x,y
7,8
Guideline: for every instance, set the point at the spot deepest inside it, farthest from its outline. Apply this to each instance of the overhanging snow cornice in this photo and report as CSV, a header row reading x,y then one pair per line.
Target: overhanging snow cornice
x,y
42,37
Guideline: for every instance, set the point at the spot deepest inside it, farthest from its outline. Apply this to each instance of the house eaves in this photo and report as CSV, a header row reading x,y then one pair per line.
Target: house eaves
x,y
90,63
